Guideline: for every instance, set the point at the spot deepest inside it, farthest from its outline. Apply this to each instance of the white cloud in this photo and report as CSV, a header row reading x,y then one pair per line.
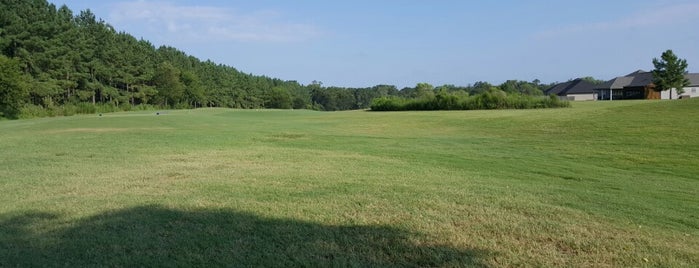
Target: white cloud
x,y
669,15
208,23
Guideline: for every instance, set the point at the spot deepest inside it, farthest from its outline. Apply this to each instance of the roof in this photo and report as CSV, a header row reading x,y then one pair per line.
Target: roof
x,y
557,89
616,83
638,78
581,87
693,79
636,72
577,86
641,78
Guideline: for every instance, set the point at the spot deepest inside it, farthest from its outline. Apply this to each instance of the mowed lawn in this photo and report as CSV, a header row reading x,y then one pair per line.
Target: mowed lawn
x,y
602,184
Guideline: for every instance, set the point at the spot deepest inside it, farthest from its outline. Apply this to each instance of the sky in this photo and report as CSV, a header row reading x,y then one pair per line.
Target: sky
x,y
362,43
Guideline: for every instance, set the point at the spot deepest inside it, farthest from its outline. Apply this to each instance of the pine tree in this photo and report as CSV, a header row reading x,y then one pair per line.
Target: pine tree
x,y
167,82
669,73
12,87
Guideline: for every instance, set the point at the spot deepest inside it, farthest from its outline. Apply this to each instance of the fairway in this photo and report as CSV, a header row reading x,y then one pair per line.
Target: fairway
x,y
602,184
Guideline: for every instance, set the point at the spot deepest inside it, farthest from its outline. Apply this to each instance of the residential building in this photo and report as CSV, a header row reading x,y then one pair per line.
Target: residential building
x,y
639,85
575,90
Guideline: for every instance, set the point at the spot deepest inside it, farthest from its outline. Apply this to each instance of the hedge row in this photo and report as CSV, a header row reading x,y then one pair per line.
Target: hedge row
x,y
32,111
484,101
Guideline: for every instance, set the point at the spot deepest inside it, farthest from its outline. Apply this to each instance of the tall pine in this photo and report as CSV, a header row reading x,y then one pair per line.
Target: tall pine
x,y
670,73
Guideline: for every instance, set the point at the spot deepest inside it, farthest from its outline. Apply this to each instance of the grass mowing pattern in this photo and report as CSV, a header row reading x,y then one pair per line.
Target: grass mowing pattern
x,y
601,184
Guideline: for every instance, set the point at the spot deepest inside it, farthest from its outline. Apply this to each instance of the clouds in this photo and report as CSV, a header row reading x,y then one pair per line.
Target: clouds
x,y
209,23
663,16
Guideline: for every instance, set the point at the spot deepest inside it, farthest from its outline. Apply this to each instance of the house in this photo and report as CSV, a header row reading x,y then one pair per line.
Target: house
x,y
639,86
692,91
575,90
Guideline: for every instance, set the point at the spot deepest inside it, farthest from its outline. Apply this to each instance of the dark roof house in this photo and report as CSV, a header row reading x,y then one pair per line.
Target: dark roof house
x,y
572,89
638,78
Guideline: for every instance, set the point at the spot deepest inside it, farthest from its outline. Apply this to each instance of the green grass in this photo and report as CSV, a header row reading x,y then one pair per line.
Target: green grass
x,y
600,184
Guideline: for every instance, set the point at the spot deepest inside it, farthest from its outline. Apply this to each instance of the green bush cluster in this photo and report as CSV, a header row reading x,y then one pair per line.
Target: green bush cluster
x,y
32,111
488,100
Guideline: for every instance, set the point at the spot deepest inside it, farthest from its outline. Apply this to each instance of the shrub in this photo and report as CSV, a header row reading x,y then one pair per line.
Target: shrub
x,y
145,107
125,106
106,108
31,111
491,99
388,104
68,110
182,105
86,108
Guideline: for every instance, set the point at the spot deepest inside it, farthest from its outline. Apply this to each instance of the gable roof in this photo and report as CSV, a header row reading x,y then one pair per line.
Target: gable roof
x,y
581,87
557,89
640,78
639,71
693,79
616,83
577,86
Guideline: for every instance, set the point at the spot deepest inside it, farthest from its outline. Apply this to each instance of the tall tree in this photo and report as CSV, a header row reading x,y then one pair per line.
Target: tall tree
x,y
279,98
669,73
193,91
12,87
479,87
424,90
167,82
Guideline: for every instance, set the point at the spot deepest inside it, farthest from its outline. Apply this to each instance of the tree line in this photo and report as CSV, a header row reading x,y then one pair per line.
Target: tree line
x,y
425,99
55,62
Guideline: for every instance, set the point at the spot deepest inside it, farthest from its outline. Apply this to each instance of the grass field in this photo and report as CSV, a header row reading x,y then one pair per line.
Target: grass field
x,y
602,184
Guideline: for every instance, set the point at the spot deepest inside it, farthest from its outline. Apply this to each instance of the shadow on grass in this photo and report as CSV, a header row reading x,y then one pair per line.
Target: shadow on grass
x,y
156,236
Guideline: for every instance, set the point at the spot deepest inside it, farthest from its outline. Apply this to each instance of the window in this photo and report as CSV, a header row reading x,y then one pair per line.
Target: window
x,y
694,90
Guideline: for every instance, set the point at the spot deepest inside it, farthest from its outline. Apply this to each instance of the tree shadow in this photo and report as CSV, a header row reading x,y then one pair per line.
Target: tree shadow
x,y
157,236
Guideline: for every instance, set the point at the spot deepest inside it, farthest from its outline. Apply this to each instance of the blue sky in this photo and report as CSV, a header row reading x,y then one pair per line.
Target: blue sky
x,y
363,43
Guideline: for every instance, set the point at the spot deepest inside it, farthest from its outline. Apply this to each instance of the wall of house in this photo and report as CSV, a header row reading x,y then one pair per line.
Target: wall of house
x,y
688,91
582,97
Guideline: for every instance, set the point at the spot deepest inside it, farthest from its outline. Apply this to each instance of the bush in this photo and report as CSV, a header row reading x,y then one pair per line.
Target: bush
x,y
68,110
388,104
491,99
146,107
106,108
86,108
31,111
182,105
125,106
